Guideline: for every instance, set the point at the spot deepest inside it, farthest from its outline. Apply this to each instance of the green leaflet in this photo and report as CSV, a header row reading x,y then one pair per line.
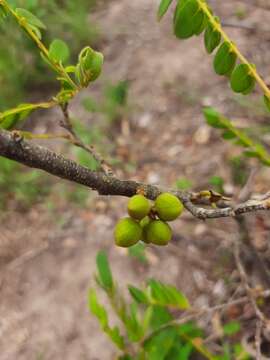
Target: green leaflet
x,y
138,295
212,39
104,278
163,7
89,66
241,80
225,59
167,295
30,18
58,51
204,23
188,19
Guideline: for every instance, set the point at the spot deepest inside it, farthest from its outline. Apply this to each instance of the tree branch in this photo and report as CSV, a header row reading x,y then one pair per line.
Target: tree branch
x,y
14,147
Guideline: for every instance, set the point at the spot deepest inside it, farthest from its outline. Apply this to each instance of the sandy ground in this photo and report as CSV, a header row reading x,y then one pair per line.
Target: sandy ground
x,y
48,258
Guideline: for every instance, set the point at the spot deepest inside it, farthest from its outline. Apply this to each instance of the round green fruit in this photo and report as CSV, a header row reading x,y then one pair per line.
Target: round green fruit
x,y
168,207
127,232
144,223
138,207
158,232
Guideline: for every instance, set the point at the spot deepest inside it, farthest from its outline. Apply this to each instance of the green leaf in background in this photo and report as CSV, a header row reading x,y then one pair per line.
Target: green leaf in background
x,y
167,295
225,59
138,295
241,80
218,183
213,118
96,309
3,13
105,278
159,316
134,326
101,314
163,7
267,102
30,18
212,39
228,135
138,252
240,352
158,346
116,337
183,184
231,328
188,19
58,51
180,351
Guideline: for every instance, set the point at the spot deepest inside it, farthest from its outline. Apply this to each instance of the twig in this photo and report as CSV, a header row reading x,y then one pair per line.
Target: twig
x,y
258,339
245,239
195,313
67,124
237,26
245,283
16,148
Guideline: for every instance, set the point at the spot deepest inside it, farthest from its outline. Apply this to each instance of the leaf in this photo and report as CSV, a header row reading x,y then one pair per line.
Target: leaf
x,y
228,135
58,51
267,102
251,154
188,19
217,182
159,316
138,295
89,66
10,118
135,328
212,39
231,328
241,80
97,309
199,30
116,337
104,272
30,18
167,295
225,59
101,314
163,7
213,118
180,351
183,184
90,105
159,345
138,252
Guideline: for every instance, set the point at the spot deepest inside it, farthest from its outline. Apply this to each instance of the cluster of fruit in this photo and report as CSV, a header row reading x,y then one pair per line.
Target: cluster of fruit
x,y
148,222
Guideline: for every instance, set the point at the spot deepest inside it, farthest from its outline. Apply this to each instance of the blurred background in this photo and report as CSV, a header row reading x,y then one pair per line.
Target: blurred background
x,y
144,115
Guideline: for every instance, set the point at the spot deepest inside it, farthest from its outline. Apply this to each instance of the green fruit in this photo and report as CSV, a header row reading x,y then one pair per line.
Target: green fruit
x,y
138,207
127,232
144,223
158,232
168,207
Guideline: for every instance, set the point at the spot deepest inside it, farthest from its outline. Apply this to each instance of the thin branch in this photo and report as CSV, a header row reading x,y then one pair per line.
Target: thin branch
x,y
258,339
245,239
196,313
67,124
245,283
16,148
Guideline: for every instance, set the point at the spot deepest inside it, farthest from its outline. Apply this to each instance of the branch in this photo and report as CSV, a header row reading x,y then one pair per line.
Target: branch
x,y
15,147
67,124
